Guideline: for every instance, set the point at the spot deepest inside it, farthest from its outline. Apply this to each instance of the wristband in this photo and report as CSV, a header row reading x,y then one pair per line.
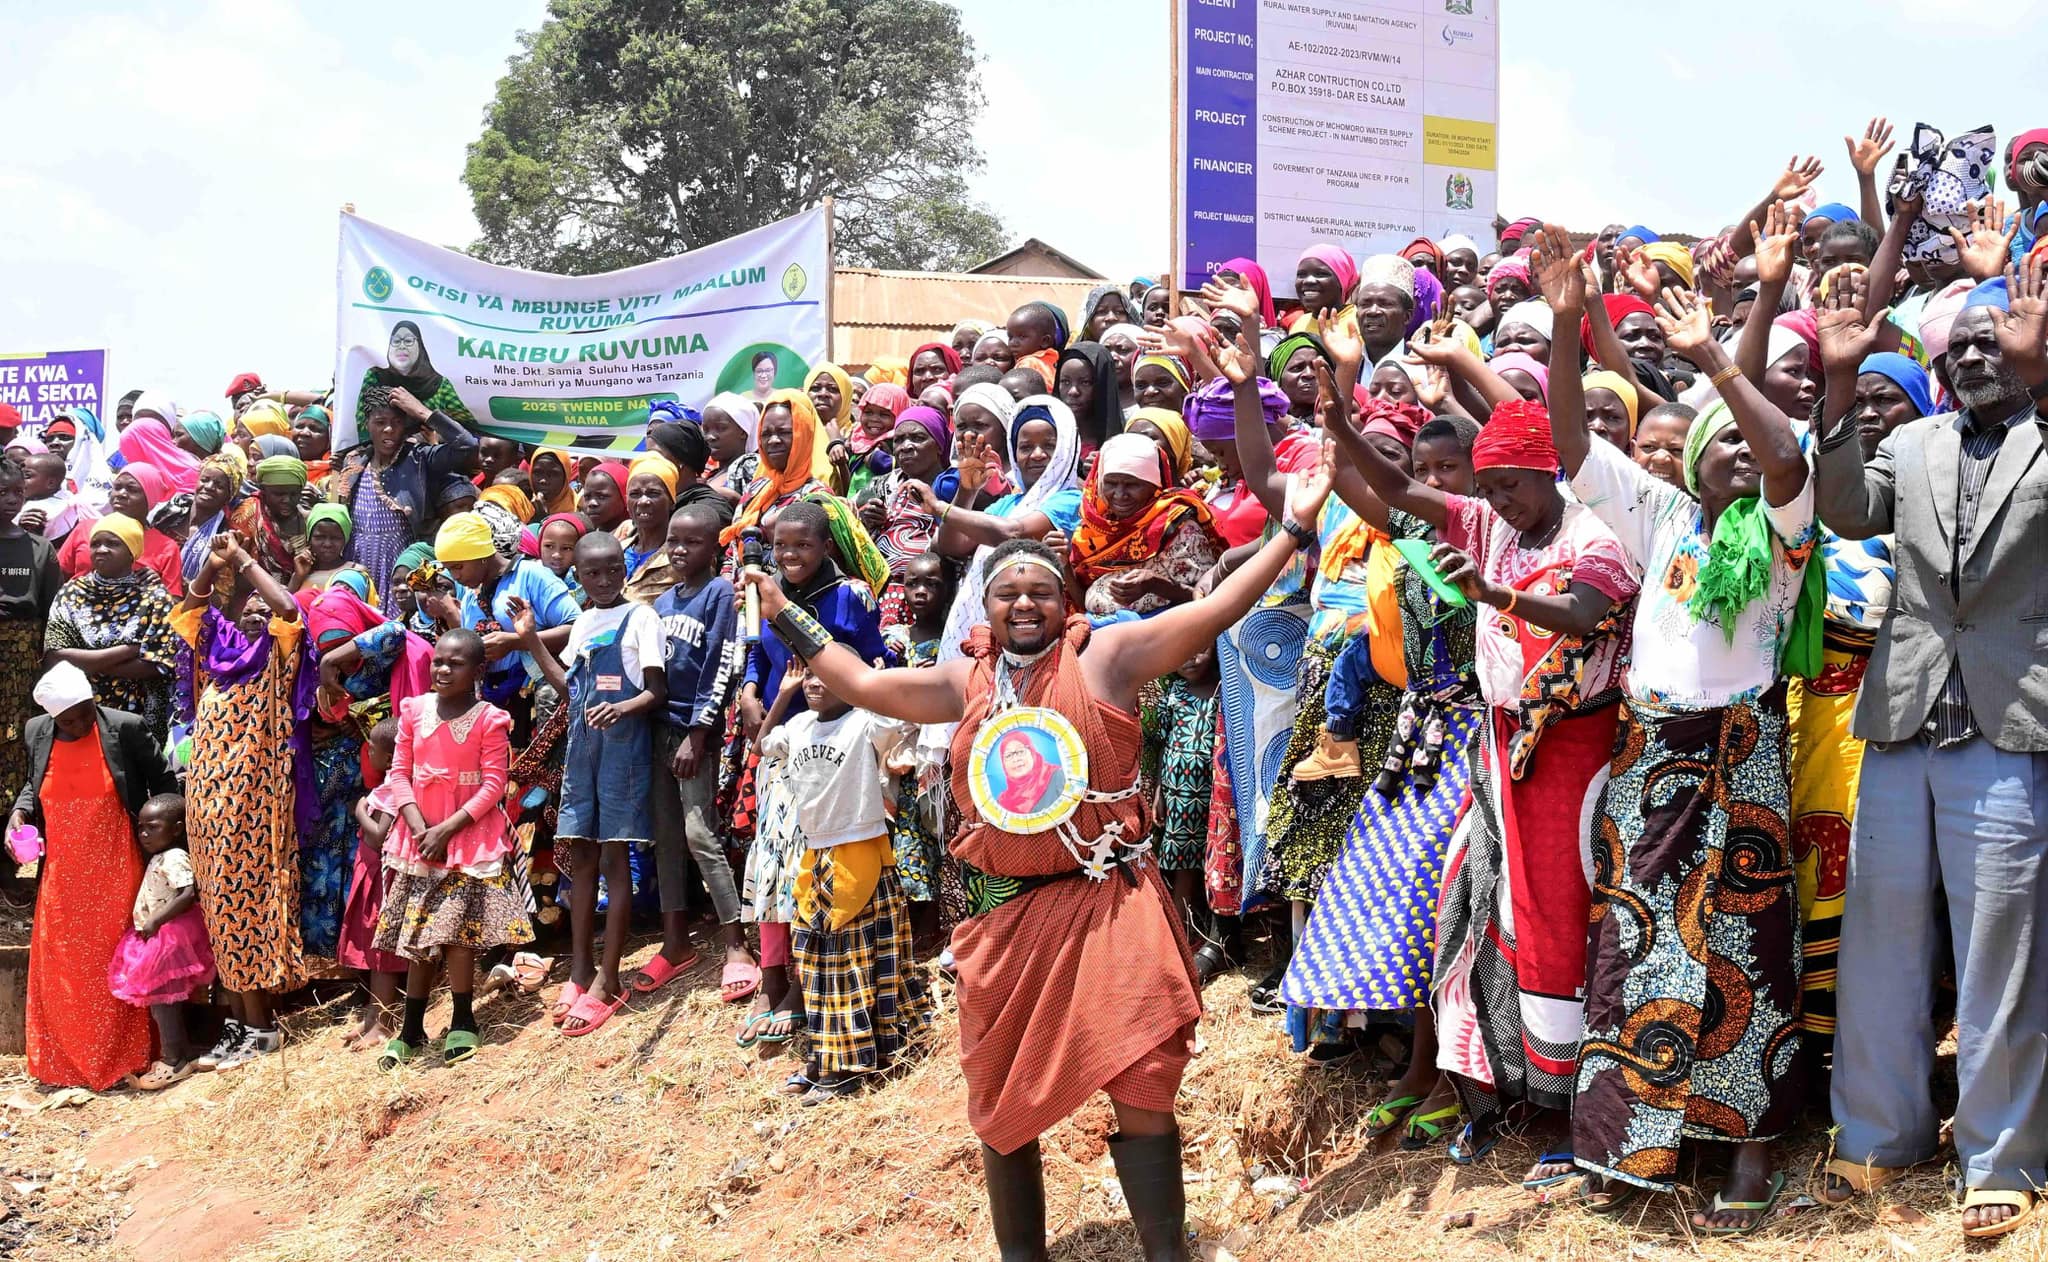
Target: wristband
x,y
1303,537
804,635
1513,595
1726,375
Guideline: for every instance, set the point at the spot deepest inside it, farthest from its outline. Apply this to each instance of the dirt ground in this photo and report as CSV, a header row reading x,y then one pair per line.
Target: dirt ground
x,y
657,1137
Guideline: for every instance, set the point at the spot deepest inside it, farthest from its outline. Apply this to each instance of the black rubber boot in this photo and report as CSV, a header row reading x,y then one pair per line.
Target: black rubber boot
x,y
1148,1166
1016,1202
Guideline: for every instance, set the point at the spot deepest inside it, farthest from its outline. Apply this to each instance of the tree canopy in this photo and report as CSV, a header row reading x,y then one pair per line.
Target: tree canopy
x,y
631,130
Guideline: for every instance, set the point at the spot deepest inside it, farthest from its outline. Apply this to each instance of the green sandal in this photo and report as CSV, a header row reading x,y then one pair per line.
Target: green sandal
x,y
398,1052
1425,1129
1761,1209
1387,1114
458,1046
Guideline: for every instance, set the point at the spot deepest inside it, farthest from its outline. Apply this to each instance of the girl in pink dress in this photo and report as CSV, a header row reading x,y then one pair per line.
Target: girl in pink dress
x,y
448,890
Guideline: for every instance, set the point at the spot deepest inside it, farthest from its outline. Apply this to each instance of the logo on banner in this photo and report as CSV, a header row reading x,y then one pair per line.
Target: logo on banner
x,y
376,284
1456,35
1459,193
793,282
1460,8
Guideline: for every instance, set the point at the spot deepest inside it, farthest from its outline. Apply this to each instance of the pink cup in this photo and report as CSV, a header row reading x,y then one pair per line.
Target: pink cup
x,y
25,843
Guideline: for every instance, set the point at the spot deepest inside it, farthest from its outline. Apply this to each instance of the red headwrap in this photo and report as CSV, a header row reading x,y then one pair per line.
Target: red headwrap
x,y
614,470
1619,308
2018,146
61,425
1516,436
946,353
1398,421
1423,248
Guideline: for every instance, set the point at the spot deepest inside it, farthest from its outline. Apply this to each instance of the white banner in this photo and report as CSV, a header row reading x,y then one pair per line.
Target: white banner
x,y
1365,123
576,360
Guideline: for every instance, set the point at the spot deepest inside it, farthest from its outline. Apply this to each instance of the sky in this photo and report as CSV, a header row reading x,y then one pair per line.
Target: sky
x,y
176,168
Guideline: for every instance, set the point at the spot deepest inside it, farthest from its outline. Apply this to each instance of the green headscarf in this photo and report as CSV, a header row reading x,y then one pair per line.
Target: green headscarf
x,y
334,513
414,556
1738,566
281,471
856,548
206,429
1276,363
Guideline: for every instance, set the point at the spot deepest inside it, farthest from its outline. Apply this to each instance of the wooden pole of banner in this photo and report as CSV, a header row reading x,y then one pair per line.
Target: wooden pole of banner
x,y
831,269
1173,171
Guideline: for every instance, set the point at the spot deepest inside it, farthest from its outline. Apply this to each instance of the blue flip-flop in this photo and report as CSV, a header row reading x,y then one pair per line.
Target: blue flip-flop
x,y
750,1029
1461,1151
1552,1159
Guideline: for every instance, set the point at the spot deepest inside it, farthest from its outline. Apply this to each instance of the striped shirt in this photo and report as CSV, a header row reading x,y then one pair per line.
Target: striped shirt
x,y
1950,722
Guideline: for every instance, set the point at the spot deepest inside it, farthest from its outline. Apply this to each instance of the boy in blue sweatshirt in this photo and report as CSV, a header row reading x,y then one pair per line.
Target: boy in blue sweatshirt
x,y
698,623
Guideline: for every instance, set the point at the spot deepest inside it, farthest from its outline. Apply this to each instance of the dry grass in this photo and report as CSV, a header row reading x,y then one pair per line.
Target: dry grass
x,y
657,1137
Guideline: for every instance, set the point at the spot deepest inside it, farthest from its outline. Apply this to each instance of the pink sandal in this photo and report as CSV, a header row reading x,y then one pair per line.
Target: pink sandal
x,y
593,1012
658,972
565,1002
739,980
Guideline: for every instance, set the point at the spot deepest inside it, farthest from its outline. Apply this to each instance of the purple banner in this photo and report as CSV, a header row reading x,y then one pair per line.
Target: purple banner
x,y
1219,199
44,384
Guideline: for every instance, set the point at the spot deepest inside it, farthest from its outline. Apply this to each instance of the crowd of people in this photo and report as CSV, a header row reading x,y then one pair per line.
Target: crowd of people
x,y
1613,669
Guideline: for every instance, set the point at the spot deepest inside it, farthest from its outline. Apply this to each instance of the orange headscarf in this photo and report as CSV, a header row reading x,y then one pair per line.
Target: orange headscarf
x,y
809,460
1103,543
565,499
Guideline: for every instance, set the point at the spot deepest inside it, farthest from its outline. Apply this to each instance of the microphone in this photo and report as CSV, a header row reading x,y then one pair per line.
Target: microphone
x,y
751,560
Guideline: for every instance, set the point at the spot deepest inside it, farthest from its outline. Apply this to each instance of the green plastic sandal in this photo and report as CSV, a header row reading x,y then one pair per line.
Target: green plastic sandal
x,y
1425,1129
397,1052
458,1046
1387,1114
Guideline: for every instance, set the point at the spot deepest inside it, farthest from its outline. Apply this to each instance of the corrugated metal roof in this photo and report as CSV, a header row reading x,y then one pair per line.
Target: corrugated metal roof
x,y
892,313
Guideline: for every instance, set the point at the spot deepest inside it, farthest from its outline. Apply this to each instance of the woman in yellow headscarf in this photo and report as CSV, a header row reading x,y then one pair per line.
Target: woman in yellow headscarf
x,y
1613,406
831,392
893,369
794,460
1171,433
262,417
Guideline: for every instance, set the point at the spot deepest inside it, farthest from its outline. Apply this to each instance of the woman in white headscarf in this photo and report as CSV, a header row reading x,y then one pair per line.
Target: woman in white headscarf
x,y
90,772
1045,496
730,422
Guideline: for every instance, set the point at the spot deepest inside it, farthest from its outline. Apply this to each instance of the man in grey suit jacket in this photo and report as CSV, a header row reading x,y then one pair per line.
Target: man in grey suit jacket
x,y
1954,787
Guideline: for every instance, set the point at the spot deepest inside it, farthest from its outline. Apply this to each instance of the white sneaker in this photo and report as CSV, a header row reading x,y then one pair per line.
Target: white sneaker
x,y
230,1038
254,1044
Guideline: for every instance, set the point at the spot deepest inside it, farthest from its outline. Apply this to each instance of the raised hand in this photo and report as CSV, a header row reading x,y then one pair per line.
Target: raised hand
x,y
1305,501
2023,327
1774,242
1686,322
523,624
1985,252
1798,175
1846,337
1866,153
1434,388
1237,364
1555,266
1433,346
1340,338
1639,273
1229,297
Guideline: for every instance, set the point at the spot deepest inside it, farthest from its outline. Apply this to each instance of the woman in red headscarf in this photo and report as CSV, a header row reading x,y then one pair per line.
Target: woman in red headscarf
x,y
1555,590
1074,975
1031,779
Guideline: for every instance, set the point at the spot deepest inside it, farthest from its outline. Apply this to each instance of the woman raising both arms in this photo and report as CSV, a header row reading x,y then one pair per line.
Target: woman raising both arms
x,y
1074,976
